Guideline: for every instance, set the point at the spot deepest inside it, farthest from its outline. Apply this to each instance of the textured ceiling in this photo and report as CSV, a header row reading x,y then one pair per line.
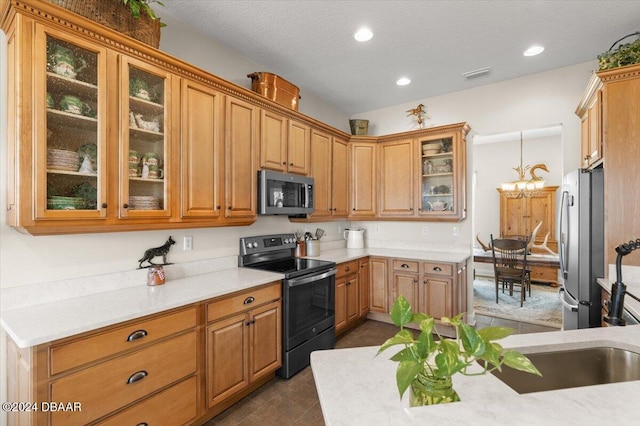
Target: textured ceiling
x,y
310,43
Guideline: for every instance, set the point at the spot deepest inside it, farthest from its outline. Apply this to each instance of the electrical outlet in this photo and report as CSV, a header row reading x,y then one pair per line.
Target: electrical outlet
x,y
425,230
456,231
377,229
187,244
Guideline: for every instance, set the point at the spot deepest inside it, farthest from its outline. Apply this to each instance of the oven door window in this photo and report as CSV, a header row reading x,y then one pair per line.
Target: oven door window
x,y
309,310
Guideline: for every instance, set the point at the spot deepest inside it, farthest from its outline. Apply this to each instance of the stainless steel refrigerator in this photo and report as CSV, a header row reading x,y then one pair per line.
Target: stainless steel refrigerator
x,y
581,251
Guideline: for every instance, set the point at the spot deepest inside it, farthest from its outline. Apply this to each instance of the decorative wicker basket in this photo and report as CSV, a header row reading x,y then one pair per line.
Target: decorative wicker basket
x,y
117,16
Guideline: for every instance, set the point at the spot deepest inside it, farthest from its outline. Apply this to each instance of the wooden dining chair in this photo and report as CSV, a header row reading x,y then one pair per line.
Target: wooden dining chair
x,y
510,265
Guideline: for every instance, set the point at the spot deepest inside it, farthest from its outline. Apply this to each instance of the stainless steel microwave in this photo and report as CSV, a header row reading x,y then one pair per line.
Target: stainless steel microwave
x,y
283,193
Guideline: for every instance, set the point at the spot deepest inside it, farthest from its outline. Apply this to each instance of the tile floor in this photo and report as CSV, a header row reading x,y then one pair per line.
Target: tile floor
x,y
295,401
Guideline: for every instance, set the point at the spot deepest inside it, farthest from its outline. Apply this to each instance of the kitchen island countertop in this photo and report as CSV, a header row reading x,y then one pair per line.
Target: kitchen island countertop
x,y
357,388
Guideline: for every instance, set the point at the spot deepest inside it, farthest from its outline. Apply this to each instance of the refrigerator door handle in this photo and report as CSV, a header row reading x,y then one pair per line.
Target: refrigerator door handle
x,y
564,207
561,295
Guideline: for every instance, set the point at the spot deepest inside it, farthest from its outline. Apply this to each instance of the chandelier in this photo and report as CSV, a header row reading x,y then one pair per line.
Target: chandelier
x,y
524,187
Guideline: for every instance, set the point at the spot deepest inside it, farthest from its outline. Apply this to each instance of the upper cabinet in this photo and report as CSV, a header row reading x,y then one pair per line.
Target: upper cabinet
x,y
590,112
284,144
145,142
364,190
330,171
423,174
69,170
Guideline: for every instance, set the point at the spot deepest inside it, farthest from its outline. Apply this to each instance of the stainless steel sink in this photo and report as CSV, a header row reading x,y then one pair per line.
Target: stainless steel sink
x,y
574,368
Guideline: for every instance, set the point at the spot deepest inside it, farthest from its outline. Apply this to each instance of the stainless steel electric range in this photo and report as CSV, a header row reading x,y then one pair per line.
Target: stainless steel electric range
x,y
308,296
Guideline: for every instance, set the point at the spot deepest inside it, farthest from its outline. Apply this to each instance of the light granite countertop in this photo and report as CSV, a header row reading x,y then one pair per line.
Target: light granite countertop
x,y
344,255
357,388
45,322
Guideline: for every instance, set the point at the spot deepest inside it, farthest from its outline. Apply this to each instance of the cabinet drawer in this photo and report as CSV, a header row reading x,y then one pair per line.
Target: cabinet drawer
x,y
174,406
243,301
347,268
75,353
544,273
405,265
438,268
110,385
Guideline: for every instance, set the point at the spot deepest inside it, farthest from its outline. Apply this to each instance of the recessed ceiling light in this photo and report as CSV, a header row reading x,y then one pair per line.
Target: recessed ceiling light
x,y
533,51
403,81
363,34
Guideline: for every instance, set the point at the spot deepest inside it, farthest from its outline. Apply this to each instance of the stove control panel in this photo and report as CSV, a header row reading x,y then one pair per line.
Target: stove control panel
x,y
266,243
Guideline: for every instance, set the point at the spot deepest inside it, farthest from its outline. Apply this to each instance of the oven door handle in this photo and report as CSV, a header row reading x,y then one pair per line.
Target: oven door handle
x,y
293,282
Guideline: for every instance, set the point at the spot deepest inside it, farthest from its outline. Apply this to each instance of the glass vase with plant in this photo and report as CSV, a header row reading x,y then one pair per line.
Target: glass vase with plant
x,y
427,364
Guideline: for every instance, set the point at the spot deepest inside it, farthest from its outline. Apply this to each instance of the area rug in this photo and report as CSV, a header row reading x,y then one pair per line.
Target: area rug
x,y
542,308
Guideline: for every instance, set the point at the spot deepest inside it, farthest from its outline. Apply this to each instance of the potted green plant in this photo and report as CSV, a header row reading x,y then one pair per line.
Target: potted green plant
x,y
142,6
427,365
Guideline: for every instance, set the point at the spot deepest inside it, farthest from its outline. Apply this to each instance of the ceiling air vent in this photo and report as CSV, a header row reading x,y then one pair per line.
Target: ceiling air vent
x,y
481,72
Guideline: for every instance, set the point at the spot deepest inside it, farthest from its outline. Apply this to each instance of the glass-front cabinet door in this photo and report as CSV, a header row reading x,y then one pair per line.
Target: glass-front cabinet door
x,y
145,151
442,171
69,108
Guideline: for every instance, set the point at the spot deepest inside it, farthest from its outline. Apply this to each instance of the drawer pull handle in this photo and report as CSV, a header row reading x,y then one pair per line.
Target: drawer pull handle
x,y
405,266
137,376
248,300
437,269
138,334
142,424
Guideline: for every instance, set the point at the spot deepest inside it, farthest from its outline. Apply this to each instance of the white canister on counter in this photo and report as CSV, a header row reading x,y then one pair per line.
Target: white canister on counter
x,y
313,248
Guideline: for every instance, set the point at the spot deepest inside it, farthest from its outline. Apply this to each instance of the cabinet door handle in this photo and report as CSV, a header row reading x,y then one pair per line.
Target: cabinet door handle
x,y
248,300
347,269
248,323
291,164
415,281
229,208
405,266
217,207
437,269
137,376
284,163
104,205
125,205
138,334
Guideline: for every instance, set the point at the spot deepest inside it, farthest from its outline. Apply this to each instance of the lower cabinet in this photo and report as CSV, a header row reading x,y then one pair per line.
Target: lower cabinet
x,y
243,342
173,368
379,297
348,291
132,373
435,288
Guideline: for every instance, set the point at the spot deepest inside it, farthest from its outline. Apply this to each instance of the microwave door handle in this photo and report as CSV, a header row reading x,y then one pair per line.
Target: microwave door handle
x,y
305,195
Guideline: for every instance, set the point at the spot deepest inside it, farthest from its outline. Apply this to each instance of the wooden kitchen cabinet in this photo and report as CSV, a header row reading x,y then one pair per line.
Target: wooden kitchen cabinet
x,y
364,189
347,296
201,151
590,113
437,290
141,363
364,282
330,171
405,278
379,276
145,123
520,216
241,145
67,121
243,344
397,178
284,144
621,138
423,174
